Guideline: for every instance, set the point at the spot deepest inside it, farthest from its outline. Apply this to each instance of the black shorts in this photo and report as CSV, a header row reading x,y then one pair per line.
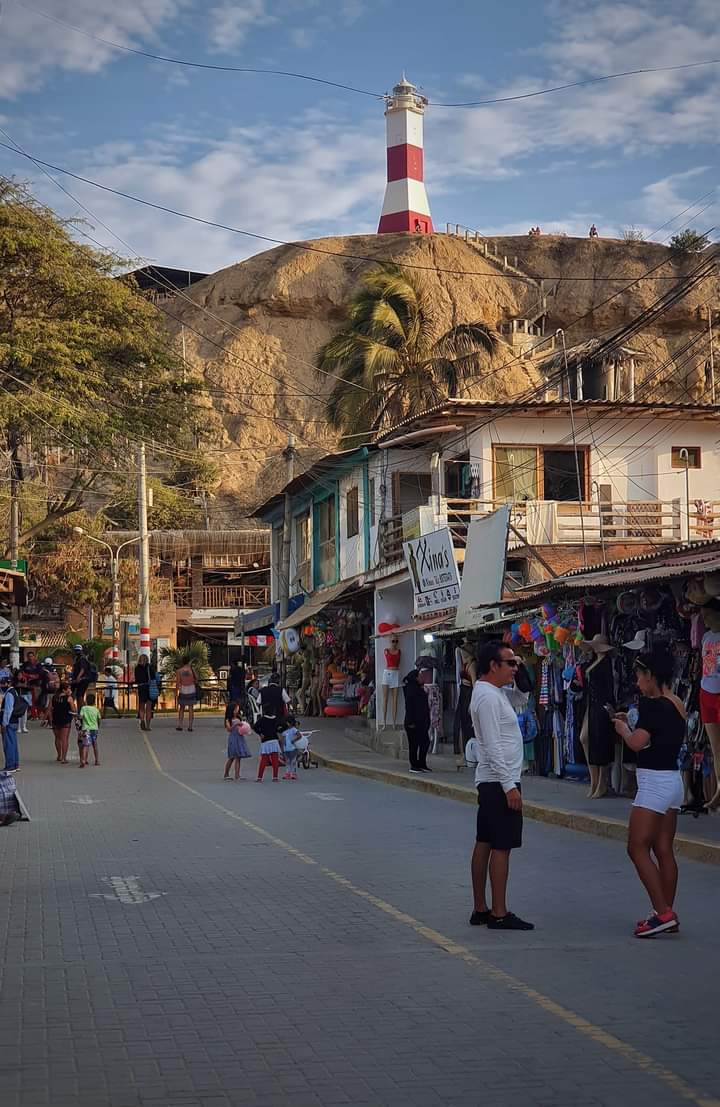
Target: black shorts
x,y
497,824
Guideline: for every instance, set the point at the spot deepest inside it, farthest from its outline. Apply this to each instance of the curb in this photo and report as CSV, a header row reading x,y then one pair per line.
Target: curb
x,y
695,849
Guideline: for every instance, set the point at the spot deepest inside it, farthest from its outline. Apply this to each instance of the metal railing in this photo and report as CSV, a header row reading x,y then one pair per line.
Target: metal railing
x,y
632,521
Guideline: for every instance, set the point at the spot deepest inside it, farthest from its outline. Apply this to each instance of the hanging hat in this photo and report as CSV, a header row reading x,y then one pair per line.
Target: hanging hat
x,y
695,591
639,642
627,603
598,644
651,599
711,583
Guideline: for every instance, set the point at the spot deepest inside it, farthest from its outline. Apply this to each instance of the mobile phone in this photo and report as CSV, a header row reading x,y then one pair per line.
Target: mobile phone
x,y
610,710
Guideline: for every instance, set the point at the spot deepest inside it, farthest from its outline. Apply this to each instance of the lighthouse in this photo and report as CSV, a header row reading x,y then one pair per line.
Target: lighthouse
x,y
405,207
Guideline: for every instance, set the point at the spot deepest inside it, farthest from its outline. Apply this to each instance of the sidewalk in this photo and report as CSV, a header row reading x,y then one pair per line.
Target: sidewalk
x,y
546,799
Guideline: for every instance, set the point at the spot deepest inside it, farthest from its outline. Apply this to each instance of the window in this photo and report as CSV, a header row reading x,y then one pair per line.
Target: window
x,y
371,497
302,553
410,490
560,474
539,473
326,568
516,473
694,457
352,514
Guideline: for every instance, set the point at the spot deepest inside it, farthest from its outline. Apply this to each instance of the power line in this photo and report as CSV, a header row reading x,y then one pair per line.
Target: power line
x,y
304,247
363,91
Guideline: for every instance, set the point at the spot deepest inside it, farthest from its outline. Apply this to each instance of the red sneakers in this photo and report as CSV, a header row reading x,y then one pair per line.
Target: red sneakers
x,y
667,923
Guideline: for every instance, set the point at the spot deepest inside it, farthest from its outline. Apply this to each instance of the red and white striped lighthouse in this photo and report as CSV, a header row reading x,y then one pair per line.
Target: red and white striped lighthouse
x,y
405,207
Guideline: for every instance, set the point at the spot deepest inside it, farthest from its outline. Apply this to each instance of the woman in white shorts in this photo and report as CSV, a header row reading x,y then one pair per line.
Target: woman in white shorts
x,y
657,739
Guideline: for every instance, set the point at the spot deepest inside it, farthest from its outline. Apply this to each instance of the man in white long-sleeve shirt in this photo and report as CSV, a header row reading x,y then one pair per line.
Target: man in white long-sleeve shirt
x,y
497,778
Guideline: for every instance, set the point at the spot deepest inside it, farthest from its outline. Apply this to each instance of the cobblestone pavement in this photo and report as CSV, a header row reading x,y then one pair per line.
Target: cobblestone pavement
x,y
307,944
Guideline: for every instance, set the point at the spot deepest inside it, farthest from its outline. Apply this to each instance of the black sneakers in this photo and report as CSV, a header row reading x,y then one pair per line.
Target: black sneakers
x,y
509,922
479,918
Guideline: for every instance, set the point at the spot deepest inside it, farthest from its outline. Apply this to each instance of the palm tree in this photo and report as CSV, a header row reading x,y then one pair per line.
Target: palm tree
x,y
389,357
194,654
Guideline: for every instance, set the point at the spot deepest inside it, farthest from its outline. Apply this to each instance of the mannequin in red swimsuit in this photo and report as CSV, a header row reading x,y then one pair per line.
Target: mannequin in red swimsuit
x,y
391,680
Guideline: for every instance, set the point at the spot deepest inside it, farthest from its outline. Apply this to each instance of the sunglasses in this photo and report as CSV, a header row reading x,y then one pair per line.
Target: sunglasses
x,y
510,661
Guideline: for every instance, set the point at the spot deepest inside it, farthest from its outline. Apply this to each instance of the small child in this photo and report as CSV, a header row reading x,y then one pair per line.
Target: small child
x,y
290,734
237,745
89,727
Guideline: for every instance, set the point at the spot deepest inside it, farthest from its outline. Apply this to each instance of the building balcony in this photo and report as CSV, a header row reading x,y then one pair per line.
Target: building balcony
x,y
566,523
233,597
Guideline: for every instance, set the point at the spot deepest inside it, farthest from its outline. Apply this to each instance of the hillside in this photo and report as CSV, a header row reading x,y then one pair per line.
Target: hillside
x,y
253,329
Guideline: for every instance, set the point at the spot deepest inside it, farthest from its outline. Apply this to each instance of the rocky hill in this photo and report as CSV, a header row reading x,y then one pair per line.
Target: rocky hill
x,y
252,330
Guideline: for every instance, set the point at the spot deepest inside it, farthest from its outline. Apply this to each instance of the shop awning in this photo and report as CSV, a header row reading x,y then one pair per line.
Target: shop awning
x,y
422,625
317,602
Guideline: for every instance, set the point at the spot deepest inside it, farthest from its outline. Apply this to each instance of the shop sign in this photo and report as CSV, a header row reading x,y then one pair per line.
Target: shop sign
x,y
433,571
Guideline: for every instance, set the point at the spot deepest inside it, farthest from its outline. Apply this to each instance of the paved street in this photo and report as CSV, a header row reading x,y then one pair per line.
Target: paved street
x,y
307,944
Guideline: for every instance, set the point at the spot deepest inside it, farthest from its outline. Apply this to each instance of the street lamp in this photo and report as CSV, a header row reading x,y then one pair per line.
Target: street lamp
x,y
115,574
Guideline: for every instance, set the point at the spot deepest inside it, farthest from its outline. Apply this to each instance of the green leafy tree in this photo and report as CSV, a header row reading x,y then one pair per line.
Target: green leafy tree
x,y
689,242
390,356
172,508
194,654
86,366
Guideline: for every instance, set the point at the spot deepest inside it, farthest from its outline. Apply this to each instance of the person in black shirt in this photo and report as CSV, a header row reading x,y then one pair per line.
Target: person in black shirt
x,y
417,722
656,739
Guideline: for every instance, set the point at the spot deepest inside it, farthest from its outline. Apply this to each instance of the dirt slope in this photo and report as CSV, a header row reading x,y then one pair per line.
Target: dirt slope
x,y
254,329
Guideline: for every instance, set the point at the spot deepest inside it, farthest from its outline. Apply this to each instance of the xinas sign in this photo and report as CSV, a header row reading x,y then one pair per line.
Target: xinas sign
x,y
433,571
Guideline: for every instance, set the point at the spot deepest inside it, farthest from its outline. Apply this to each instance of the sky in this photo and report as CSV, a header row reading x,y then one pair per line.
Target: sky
x,y
292,159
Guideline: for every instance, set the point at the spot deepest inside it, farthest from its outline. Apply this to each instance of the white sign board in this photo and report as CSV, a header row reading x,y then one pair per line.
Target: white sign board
x,y
484,565
433,571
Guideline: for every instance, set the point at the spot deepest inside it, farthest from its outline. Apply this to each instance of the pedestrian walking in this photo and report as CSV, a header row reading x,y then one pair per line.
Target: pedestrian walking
x,y
89,729
82,676
236,681
34,674
186,687
237,749
62,712
143,676
110,691
14,708
290,734
267,727
657,738
274,699
417,722
24,690
497,778
50,682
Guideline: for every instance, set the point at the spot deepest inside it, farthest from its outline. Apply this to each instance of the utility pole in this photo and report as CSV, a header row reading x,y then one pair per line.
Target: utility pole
x,y
712,357
15,475
143,553
289,455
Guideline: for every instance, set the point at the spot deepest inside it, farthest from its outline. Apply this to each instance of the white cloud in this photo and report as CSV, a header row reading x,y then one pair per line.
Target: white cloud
x,y
232,21
31,47
319,176
615,119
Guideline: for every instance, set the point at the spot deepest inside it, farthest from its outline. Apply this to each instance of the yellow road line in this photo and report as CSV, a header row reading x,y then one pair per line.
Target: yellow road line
x,y
583,1026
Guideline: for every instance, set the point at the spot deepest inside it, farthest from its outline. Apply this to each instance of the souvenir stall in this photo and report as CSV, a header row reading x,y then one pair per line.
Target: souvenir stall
x,y
579,648
328,658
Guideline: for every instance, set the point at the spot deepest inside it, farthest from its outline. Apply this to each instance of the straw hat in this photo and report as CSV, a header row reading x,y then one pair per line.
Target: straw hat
x,y
598,644
639,642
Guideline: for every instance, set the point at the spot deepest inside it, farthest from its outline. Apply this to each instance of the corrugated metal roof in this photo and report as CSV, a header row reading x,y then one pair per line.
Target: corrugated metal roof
x,y
469,407
628,576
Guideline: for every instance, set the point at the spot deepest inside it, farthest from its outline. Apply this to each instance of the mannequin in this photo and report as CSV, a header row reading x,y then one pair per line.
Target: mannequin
x,y
307,668
710,689
391,680
597,735
466,675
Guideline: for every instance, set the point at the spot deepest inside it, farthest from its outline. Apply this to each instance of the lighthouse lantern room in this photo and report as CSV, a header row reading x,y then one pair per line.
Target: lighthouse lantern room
x,y
405,207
